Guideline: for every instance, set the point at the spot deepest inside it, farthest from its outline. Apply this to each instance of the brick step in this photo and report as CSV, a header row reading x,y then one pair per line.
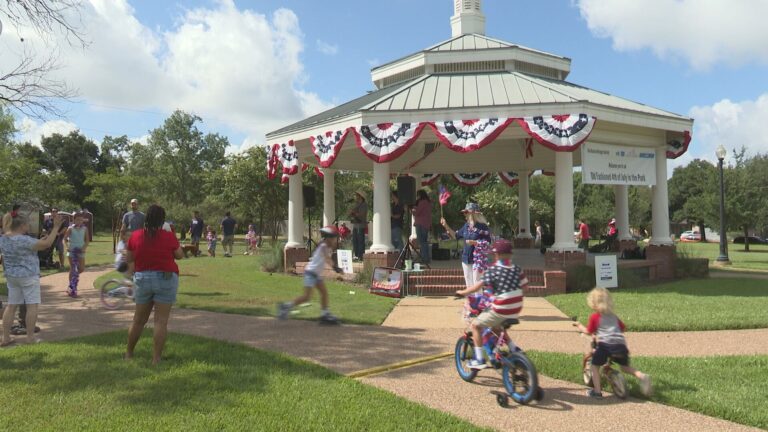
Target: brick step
x,y
431,290
435,280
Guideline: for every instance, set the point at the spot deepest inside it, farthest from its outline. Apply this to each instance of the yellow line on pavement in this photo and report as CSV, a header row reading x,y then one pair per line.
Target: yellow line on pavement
x,y
398,365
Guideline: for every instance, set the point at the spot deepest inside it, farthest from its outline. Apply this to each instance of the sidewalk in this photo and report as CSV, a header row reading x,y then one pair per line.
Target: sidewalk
x,y
418,327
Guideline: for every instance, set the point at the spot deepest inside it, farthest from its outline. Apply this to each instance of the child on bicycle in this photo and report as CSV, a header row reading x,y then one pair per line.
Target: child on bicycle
x,y
507,282
609,330
121,262
312,276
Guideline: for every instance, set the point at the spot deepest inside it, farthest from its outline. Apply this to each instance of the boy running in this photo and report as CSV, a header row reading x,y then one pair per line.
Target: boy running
x,y
313,279
507,282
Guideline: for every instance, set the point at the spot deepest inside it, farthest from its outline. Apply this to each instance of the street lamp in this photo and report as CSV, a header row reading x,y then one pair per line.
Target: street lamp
x,y
723,258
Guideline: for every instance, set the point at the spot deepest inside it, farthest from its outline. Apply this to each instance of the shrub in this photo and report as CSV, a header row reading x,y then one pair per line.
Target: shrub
x,y
272,260
691,267
581,278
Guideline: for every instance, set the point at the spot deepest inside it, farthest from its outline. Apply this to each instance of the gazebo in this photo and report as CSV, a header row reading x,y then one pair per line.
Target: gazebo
x,y
478,105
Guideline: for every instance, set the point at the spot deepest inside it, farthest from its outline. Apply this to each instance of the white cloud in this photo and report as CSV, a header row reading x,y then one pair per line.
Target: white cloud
x,y
732,124
702,32
230,66
33,132
327,48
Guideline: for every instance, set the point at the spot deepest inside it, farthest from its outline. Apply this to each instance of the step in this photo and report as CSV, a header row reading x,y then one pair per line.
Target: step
x,y
435,279
431,290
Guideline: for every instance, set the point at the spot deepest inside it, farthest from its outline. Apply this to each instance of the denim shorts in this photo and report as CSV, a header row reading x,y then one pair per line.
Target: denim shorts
x,y
155,286
23,290
311,279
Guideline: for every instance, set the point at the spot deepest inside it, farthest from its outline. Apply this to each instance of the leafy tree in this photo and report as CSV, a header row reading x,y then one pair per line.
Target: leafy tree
x,y
74,156
745,185
112,190
693,194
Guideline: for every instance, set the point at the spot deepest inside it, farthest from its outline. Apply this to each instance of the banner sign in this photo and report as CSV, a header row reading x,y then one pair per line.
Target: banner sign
x,y
617,165
344,260
386,282
606,275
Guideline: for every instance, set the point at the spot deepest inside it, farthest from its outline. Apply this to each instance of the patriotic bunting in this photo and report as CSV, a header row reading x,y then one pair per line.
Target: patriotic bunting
x,y
469,135
326,147
510,178
559,132
289,158
472,179
272,161
428,179
676,147
385,142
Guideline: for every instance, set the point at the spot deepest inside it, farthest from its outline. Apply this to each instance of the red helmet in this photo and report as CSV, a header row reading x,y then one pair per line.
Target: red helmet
x,y
502,246
329,232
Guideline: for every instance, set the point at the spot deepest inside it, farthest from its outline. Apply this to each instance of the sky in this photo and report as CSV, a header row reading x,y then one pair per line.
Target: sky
x,y
248,67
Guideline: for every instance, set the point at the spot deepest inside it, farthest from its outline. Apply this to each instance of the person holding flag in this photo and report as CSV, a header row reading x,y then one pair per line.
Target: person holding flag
x,y
474,232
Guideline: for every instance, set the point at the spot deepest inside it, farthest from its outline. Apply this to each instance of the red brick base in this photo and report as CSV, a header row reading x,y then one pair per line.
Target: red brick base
x,y
563,260
293,255
523,243
665,254
379,259
554,281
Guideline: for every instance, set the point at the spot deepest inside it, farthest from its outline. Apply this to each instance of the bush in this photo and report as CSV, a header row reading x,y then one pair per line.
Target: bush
x,y
691,267
272,260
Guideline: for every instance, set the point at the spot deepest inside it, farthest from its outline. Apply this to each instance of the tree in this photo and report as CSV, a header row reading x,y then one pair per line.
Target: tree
x,y
73,155
112,190
693,194
746,182
27,84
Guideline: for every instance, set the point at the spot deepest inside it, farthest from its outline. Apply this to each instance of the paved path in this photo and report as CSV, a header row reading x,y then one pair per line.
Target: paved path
x,y
421,327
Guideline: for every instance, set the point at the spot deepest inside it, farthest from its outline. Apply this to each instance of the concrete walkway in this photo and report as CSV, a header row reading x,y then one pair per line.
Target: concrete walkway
x,y
417,328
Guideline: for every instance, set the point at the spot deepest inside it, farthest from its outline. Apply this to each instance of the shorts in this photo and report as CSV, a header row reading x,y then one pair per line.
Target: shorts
x,y
23,290
195,238
311,279
489,318
58,244
155,286
618,353
227,240
212,246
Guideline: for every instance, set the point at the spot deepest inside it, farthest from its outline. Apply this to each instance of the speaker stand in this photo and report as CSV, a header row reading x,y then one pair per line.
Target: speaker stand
x,y
310,242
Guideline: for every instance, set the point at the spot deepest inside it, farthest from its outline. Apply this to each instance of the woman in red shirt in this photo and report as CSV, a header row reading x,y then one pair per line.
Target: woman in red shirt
x,y
155,278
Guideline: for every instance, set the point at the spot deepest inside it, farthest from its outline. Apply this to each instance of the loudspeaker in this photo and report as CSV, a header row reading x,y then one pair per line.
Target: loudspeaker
x,y
309,196
406,190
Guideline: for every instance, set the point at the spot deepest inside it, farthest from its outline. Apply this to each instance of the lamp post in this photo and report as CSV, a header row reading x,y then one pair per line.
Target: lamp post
x,y
723,258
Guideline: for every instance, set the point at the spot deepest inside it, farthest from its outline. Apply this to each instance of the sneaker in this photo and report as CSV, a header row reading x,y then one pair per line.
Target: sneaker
x,y
282,310
477,364
594,394
329,318
18,330
645,385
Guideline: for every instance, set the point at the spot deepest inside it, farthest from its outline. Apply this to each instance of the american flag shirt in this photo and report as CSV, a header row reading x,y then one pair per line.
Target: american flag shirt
x,y
507,283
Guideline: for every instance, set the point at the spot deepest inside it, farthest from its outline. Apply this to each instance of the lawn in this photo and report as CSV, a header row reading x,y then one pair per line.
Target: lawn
x,y
730,387
693,304
755,259
83,384
99,253
236,285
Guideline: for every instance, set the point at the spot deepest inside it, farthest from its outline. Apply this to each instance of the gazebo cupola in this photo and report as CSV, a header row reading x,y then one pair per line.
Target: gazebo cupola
x,y
467,18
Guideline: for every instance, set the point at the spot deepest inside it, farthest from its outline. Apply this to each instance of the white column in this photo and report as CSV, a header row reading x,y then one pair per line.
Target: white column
x,y
621,196
564,220
382,230
660,203
523,206
295,210
329,197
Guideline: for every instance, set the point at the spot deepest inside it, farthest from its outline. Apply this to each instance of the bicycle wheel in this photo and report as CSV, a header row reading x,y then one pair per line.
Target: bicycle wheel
x,y
618,384
520,378
465,351
113,294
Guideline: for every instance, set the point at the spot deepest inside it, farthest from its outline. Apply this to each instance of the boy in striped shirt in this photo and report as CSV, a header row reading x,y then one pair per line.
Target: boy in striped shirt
x,y
507,281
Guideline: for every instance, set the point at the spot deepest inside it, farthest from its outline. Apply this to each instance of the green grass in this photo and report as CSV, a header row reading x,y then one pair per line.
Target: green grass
x,y
99,253
733,388
755,259
693,304
203,385
236,285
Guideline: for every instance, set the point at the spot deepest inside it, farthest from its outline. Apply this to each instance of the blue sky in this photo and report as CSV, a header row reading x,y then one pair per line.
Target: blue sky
x,y
248,67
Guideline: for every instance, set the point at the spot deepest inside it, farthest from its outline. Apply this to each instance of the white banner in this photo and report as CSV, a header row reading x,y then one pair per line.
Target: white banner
x,y
344,260
606,275
618,165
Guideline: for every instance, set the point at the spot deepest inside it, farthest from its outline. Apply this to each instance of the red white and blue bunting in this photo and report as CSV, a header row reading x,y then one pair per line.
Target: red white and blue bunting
x,y
428,179
559,132
470,179
272,161
385,142
676,147
510,178
469,135
327,146
289,158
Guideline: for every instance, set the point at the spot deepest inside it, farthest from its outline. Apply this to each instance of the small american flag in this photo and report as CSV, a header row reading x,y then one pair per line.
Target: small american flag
x,y
444,195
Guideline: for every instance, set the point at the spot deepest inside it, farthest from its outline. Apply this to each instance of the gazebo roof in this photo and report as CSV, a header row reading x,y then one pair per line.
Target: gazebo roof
x,y
478,88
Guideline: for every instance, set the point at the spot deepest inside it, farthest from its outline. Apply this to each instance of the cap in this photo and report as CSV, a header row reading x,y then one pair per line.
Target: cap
x,y
502,246
329,232
134,201
612,221
471,208
361,193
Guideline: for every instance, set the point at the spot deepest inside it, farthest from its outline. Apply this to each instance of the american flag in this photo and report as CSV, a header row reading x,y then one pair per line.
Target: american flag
x,y
444,195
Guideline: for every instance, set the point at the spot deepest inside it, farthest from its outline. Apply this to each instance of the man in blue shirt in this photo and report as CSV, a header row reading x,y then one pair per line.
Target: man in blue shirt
x,y
196,230
228,226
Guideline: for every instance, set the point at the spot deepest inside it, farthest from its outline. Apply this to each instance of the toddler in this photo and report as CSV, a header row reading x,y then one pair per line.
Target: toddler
x,y
211,238
253,241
